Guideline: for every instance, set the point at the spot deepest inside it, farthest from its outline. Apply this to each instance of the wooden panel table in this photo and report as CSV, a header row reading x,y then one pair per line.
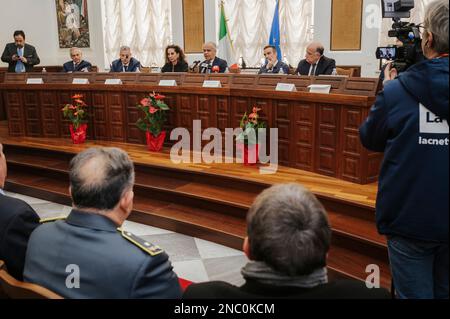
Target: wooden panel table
x,y
317,132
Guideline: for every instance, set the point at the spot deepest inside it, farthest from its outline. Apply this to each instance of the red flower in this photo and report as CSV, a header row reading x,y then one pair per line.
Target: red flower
x,y
81,102
76,114
72,107
153,110
256,109
77,96
159,97
146,102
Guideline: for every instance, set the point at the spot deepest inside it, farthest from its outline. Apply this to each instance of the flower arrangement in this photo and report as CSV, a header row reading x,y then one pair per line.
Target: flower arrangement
x,y
249,123
154,109
76,111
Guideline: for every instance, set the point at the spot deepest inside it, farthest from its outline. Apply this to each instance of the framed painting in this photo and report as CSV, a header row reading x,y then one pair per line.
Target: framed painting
x,y
73,23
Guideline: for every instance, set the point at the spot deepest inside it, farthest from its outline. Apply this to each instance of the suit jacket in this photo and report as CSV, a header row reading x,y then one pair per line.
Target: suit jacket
x,y
343,289
29,53
222,64
179,67
276,69
81,67
17,221
133,66
324,67
110,265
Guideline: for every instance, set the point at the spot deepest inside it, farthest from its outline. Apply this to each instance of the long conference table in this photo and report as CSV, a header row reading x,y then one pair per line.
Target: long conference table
x,y
317,132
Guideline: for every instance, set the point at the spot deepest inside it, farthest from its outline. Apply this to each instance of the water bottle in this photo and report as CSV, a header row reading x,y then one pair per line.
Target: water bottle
x,y
334,72
44,70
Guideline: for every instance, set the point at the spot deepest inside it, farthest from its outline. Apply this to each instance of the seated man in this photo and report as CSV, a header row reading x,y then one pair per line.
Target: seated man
x,y
88,255
288,242
212,63
20,56
126,63
315,63
272,65
77,64
17,221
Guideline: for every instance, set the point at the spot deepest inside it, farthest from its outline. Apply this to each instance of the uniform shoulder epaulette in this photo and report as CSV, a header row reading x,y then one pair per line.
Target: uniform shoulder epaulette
x,y
149,248
52,219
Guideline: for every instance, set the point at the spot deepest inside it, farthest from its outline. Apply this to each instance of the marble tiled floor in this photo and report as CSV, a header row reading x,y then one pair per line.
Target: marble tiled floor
x,y
192,258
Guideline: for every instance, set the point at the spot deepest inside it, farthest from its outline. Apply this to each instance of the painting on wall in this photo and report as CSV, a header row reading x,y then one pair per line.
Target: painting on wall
x,y
73,25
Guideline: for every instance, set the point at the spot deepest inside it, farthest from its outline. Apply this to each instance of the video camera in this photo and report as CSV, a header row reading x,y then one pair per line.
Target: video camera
x,y
407,33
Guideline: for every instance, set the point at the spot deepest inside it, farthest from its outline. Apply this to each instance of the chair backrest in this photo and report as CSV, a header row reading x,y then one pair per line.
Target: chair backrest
x,y
15,289
347,72
145,69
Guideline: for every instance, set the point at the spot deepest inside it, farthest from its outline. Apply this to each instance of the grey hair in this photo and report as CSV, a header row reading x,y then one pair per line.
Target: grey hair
x,y
288,229
125,48
214,45
75,49
99,177
436,22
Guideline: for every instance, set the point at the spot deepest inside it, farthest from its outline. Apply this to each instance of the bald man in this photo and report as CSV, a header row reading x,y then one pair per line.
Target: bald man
x,y
212,63
315,63
77,64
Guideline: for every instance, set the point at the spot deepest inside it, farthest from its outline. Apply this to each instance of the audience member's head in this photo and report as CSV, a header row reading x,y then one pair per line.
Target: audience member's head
x,y
209,51
435,33
76,55
125,54
174,54
314,52
288,230
19,38
270,53
3,168
101,181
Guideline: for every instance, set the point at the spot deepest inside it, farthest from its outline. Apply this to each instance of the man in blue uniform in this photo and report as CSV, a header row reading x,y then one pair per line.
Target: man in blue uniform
x,y
86,255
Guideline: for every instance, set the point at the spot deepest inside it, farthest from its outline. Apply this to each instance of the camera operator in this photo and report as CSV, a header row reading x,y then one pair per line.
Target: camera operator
x,y
409,123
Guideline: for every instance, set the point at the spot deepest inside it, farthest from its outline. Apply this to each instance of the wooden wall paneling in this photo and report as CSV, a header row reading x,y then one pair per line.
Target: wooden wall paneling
x,y
116,116
132,114
337,83
346,25
269,82
186,110
16,120
194,26
301,82
63,97
352,161
151,79
327,139
304,136
100,115
284,124
32,112
225,79
50,114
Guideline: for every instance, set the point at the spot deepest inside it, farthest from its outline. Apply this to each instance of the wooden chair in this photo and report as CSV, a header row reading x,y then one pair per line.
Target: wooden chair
x,y
145,69
15,289
346,72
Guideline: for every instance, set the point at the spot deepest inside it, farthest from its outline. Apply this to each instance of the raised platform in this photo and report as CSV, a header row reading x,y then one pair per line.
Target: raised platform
x,y
207,201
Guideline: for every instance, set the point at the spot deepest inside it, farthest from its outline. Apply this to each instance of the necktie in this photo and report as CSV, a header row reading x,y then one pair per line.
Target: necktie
x,y
313,72
20,67
125,68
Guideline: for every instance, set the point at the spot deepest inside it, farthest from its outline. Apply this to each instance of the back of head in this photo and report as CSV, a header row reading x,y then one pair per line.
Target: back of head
x,y
288,229
436,22
99,177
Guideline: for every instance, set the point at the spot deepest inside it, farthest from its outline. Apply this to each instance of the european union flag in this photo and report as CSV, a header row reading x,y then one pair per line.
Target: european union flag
x,y
275,37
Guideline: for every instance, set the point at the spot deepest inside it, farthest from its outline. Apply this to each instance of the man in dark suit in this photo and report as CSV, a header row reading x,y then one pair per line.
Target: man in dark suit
x,y
20,56
17,222
315,63
288,240
77,64
272,65
126,63
212,63
88,255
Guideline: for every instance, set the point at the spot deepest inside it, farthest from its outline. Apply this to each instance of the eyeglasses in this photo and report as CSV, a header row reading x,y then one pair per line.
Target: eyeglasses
x,y
421,28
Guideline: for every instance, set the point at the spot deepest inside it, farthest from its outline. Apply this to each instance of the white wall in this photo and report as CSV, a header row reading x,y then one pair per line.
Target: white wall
x,y
369,40
37,18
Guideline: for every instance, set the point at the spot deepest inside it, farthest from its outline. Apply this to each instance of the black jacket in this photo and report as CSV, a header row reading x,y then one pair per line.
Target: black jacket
x,y
17,221
344,289
206,68
324,67
81,67
29,53
181,66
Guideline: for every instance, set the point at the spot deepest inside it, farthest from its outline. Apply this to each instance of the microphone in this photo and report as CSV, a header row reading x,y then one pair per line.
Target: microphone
x,y
216,69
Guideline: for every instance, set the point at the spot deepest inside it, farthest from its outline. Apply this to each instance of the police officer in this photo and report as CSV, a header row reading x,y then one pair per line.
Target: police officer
x,y
86,255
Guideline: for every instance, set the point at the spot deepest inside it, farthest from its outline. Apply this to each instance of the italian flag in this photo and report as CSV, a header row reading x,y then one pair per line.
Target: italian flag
x,y
225,46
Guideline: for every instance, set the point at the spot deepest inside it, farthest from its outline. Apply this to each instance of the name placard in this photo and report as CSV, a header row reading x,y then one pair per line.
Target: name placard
x,y
35,81
113,81
167,83
212,84
320,88
80,81
286,87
